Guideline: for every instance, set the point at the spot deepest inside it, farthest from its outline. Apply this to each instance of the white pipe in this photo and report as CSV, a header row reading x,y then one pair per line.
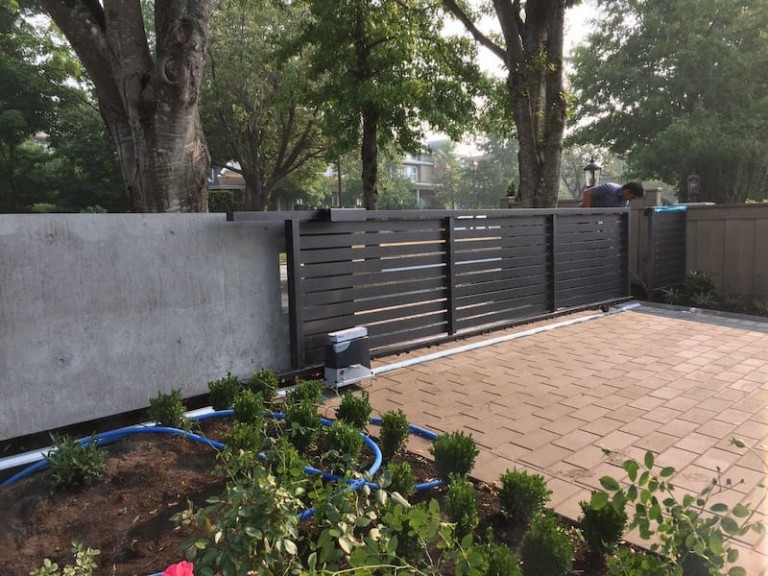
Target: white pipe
x,y
499,339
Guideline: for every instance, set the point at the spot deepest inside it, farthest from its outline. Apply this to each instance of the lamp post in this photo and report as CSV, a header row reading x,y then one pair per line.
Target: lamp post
x,y
692,182
594,172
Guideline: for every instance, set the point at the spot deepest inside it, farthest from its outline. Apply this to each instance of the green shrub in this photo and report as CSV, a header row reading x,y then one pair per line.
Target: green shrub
x,y
310,391
625,561
302,423
354,410
343,446
249,407
394,433
285,463
547,548
461,505
246,436
85,564
522,495
168,410
222,392
699,282
501,560
401,478
264,382
251,529
74,464
691,532
602,526
761,306
454,453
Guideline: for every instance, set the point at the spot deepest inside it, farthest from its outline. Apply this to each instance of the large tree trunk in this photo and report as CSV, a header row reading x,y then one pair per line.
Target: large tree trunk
x,y
533,55
369,156
150,106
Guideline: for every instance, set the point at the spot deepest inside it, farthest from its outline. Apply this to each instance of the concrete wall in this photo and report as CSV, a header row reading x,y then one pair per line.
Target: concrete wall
x,y
731,242
100,312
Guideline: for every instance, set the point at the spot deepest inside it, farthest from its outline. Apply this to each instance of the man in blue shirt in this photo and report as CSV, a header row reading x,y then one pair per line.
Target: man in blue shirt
x,y
612,195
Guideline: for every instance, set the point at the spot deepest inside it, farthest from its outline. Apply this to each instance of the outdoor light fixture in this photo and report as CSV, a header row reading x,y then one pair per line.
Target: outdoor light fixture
x,y
594,170
693,181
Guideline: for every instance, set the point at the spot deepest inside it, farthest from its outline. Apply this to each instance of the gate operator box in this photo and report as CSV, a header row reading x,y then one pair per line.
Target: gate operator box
x,y
347,357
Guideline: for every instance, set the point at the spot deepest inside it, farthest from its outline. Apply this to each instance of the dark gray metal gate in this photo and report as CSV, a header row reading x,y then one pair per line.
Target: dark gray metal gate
x,y
666,264
419,277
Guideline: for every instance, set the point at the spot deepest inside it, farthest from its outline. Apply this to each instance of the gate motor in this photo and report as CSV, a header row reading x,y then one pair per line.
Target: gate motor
x,y
347,357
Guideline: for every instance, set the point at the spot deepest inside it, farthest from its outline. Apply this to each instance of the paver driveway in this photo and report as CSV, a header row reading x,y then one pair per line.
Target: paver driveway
x,y
677,383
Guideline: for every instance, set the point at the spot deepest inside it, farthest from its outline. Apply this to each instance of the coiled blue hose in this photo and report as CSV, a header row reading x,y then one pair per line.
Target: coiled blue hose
x,y
113,436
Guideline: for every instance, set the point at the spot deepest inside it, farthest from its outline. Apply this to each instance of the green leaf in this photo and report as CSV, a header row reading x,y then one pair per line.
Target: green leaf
x,y
649,460
738,443
737,571
345,544
599,500
740,511
732,555
290,547
609,483
667,472
730,526
644,478
719,507
631,466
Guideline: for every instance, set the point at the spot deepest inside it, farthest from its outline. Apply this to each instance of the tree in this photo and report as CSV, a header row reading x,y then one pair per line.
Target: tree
x,y
531,48
383,70
148,101
30,73
673,87
253,108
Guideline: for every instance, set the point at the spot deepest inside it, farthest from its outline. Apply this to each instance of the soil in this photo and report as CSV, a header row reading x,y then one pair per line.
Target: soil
x,y
126,513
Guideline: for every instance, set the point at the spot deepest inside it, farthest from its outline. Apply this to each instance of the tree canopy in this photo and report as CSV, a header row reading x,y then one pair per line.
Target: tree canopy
x,y
254,105
384,71
678,88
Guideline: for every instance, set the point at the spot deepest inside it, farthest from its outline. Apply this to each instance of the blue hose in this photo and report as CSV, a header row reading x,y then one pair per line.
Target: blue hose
x,y
113,436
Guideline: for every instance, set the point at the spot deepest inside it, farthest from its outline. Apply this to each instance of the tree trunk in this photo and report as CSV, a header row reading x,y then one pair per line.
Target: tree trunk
x,y
369,156
150,106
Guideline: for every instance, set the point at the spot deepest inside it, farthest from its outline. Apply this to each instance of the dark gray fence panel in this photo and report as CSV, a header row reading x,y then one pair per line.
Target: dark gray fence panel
x,y
414,278
666,247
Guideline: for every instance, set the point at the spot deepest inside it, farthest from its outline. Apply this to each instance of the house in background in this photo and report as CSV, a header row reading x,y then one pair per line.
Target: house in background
x,y
420,170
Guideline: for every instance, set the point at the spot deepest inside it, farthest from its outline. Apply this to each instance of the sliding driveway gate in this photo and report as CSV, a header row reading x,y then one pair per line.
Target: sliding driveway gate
x,y
419,277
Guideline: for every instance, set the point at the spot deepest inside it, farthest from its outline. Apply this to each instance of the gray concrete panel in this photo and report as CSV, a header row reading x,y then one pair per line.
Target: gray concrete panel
x,y
100,312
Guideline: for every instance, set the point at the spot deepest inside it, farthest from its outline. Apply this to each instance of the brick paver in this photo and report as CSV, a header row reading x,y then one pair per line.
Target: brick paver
x,y
676,383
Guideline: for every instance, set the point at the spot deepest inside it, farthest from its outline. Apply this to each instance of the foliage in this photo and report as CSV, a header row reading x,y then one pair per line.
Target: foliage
x,y
523,495
627,562
384,70
251,529
222,392
355,411
691,533
501,560
245,435
249,407
310,391
394,432
85,564
302,424
696,107
454,453
75,463
285,463
761,305
168,410
530,47
546,549
700,282
602,527
254,108
461,505
342,447
264,382
400,478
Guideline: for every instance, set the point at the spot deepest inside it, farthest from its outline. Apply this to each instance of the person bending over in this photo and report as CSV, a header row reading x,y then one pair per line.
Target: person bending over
x,y
612,195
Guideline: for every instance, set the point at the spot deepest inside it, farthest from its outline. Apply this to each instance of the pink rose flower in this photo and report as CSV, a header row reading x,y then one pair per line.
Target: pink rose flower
x,y
180,569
